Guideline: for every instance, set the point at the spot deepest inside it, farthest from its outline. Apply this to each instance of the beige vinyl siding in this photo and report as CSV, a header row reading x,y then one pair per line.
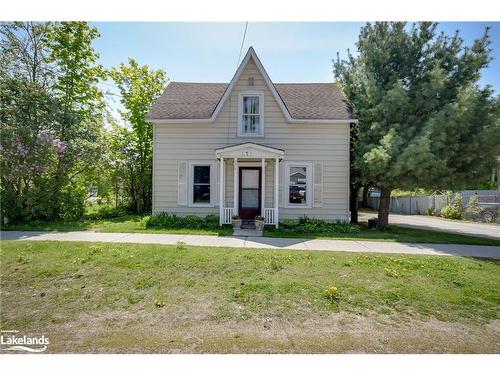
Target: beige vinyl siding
x,y
309,142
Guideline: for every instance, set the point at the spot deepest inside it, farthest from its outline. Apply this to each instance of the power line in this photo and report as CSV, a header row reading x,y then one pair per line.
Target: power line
x,y
108,84
242,42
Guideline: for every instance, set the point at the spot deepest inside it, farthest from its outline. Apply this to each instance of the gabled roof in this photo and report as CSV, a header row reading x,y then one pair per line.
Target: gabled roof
x,y
186,100
202,102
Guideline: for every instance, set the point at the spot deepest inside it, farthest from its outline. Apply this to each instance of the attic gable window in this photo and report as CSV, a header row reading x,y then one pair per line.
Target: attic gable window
x,y
251,114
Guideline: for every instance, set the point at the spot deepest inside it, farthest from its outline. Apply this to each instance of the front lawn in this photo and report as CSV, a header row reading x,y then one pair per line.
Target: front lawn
x,y
393,233
122,224
95,297
138,224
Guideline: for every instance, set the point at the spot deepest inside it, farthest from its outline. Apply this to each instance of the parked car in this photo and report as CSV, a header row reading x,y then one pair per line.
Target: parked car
x,y
297,194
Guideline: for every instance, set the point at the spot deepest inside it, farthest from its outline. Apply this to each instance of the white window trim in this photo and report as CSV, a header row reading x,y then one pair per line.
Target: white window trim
x,y
213,182
242,94
309,172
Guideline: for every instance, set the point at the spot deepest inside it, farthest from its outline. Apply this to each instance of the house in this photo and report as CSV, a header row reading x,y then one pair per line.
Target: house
x,y
251,147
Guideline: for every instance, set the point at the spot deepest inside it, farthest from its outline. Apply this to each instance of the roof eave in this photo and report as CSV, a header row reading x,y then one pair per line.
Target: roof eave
x,y
291,121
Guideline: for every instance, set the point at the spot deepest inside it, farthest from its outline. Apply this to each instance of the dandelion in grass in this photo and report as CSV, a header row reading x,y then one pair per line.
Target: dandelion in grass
x,y
391,273
159,303
332,294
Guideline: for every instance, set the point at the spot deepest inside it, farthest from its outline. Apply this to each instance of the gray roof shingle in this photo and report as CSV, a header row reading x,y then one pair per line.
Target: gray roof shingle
x,y
186,100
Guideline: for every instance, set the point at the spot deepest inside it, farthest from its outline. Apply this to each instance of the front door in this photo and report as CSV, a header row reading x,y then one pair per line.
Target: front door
x,y
249,206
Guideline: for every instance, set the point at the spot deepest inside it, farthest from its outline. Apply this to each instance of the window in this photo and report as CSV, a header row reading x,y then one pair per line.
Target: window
x,y
201,183
298,184
251,114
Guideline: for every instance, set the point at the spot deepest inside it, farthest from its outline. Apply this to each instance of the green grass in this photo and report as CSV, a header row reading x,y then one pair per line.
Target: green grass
x,y
123,224
393,233
96,297
137,224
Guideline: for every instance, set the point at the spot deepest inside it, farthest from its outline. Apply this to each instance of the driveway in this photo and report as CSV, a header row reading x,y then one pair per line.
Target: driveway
x,y
262,243
439,224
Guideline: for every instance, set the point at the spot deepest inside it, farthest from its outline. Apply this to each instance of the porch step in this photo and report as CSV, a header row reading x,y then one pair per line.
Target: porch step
x,y
248,224
247,233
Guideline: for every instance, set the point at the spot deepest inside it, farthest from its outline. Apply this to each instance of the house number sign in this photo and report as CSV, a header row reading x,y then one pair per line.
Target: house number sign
x,y
246,153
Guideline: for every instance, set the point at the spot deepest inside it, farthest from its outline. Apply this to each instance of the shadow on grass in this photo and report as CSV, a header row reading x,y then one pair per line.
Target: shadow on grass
x,y
82,224
126,223
393,233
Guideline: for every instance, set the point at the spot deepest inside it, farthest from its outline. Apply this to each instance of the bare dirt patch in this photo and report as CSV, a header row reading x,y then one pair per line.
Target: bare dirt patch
x,y
100,298
170,332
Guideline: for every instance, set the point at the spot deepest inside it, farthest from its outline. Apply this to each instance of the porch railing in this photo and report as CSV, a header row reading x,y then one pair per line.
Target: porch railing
x,y
270,216
227,215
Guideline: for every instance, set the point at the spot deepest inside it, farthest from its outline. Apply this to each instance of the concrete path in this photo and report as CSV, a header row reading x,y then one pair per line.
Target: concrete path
x,y
440,224
261,243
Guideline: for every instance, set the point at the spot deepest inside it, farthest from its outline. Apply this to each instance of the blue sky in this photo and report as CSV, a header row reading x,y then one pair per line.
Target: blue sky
x,y
290,51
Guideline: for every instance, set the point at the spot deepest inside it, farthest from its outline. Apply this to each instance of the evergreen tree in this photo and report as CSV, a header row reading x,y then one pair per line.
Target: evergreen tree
x,y
423,119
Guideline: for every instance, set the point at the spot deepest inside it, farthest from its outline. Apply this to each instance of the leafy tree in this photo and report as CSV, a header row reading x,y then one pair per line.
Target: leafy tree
x,y
27,149
423,120
139,87
51,126
79,123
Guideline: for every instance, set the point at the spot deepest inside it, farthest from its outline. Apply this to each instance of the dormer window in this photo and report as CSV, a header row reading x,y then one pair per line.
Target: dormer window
x,y
251,114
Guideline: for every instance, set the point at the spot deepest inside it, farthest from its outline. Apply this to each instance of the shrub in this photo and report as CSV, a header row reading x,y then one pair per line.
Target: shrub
x,y
453,210
472,209
308,225
107,212
38,204
289,224
171,221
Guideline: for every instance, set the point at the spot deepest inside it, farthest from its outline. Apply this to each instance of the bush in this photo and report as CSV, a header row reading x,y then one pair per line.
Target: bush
x,y
72,201
171,221
473,210
107,212
38,204
308,225
453,210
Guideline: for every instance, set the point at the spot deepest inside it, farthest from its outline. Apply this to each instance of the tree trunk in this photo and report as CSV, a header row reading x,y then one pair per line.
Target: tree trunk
x,y
364,202
383,208
353,203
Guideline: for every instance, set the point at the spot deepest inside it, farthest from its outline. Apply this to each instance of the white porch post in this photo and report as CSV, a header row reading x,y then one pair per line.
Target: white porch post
x,y
235,186
276,189
221,191
263,193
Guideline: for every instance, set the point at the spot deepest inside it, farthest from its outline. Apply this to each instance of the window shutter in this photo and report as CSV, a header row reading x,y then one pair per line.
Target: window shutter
x,y
182,183
215,182
318,185
281,185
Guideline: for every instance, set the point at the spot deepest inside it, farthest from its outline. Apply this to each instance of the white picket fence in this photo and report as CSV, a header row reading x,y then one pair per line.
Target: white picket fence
x,y
419,205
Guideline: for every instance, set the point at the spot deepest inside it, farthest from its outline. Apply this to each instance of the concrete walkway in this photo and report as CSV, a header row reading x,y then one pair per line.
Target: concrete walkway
x,y
261,243
440,224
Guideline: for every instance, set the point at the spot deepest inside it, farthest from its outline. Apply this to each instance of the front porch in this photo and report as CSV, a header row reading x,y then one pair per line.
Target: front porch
x,y
244,191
